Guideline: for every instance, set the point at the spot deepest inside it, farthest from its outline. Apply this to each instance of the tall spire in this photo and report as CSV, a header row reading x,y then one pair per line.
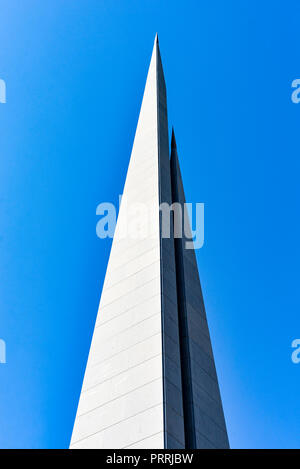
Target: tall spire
x,y
173,141
203,413
150,380
131,395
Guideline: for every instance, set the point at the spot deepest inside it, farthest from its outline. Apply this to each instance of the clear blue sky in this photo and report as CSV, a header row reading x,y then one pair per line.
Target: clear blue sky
x,y
75,73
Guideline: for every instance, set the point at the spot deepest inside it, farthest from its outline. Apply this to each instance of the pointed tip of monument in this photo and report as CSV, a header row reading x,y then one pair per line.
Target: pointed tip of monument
x,y
173,141
156,44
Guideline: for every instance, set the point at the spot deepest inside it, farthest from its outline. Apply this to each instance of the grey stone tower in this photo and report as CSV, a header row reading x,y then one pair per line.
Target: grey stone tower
x,y
150,380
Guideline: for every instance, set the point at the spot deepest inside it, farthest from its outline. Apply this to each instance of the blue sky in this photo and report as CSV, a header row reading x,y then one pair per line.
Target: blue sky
x,y
75,73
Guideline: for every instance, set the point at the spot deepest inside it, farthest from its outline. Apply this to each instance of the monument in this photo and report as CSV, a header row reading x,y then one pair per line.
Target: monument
x,y
150,380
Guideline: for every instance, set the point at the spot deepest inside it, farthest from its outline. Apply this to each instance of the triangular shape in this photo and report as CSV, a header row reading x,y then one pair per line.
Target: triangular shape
x,y
150,380
203,413
131,394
